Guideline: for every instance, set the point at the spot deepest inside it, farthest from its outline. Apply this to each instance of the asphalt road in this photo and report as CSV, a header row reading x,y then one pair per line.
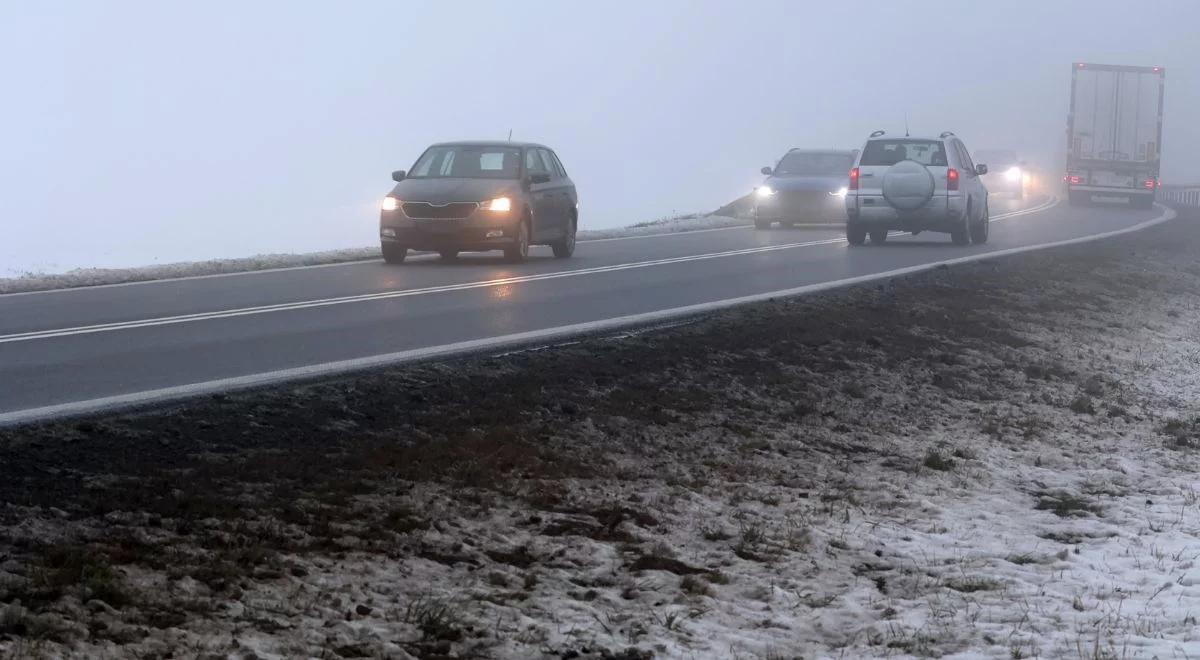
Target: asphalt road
x,y
78,350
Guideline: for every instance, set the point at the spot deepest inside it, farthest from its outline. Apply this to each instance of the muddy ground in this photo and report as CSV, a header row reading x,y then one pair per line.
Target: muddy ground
x,y
946,463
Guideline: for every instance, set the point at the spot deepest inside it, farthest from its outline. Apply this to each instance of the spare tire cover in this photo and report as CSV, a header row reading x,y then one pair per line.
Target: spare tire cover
x,y
907,185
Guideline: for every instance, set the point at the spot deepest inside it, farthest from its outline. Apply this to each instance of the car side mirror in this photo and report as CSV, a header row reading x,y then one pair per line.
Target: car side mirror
x,y
981,169
767,171
539,177
398,175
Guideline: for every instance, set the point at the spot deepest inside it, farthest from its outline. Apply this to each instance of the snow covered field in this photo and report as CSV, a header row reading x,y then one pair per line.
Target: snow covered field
x,y
97,276
997,461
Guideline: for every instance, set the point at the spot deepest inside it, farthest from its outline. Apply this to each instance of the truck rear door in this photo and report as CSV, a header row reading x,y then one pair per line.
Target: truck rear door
x,y
1115,124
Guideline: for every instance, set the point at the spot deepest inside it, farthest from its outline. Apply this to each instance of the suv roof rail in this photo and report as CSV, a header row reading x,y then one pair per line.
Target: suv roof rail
x,y
946,134
878,133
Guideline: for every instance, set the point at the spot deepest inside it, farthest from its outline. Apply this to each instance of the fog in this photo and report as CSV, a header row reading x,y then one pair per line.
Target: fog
x,y
148,132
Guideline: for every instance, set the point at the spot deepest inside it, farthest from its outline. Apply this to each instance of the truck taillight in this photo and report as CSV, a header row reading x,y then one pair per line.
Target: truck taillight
x,y
1148,184
951,179
853,179
1072,178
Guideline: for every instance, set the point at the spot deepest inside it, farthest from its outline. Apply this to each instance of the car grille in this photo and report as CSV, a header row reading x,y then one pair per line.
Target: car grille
x,y
427,211
806,206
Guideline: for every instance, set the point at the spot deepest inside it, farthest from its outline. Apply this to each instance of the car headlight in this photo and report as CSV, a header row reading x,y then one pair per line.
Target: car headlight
x,y
840,192
1013,174
764,191
390,204
499,205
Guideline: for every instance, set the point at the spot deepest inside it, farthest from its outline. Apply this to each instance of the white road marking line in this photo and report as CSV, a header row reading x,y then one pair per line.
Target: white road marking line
x,y
375,260
282,269
514,340
386,295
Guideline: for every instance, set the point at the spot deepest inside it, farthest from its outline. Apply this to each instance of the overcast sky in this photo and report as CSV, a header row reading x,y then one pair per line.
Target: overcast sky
x,y
146,132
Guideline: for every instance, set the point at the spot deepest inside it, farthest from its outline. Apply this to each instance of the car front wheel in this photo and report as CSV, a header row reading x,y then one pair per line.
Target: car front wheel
x,y
566,246
392,253
519,250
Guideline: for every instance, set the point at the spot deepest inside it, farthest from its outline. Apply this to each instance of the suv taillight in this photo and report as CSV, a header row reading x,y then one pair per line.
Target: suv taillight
x,y
853,179
951,179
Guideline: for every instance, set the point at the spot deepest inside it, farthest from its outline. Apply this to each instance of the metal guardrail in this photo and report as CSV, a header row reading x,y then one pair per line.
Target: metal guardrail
x,y
1181,195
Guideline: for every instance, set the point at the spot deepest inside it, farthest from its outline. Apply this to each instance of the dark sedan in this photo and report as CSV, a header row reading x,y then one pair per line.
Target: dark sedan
x,y
479,196
807,186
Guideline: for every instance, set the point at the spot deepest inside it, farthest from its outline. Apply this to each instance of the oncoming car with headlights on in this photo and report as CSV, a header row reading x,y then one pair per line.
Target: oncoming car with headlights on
x,y
1007,174
479,196
806,186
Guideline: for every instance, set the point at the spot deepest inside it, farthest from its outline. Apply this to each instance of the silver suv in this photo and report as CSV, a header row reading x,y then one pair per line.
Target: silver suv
x,y
916,184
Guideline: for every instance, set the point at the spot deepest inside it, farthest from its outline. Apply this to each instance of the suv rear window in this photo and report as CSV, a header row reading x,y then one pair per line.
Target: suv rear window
x,y
890,152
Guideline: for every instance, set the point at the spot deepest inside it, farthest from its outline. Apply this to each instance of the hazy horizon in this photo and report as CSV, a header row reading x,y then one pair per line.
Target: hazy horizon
x,y
140,132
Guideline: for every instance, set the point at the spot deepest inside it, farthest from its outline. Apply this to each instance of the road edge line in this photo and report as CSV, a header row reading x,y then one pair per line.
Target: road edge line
x,y
164,395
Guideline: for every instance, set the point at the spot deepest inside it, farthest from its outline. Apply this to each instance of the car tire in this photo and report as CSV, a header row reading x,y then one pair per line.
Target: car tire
x,y
879,236
961,235
566,247
393,253
519,251
448,255
856,234
980,228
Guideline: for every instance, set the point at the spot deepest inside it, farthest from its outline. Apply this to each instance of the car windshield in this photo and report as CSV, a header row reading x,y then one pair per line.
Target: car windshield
x,y
996,158
890,152
808,163
468,162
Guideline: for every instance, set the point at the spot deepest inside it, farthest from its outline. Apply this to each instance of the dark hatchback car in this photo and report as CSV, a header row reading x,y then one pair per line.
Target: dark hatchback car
x,y
479,196
806,186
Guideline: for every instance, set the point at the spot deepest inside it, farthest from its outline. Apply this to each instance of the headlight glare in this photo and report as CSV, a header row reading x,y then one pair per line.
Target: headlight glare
x,y
764,191
499,205
390,204
1013,174
840,192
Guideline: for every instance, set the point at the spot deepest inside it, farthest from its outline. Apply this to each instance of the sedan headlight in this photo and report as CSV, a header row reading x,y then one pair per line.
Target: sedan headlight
x,y
499,205
1013,174
390,204
764,191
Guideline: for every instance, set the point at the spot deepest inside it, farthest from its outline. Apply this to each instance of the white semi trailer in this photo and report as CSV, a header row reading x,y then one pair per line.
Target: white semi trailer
x,y
1114,133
